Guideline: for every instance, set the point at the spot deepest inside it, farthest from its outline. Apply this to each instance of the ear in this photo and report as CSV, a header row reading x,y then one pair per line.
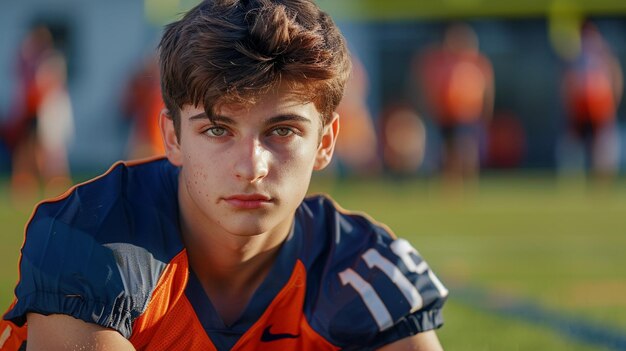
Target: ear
x,y
327,143
170,140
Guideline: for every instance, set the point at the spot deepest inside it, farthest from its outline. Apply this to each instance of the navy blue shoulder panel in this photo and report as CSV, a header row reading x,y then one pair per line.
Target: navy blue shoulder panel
x,y
365,287
97,253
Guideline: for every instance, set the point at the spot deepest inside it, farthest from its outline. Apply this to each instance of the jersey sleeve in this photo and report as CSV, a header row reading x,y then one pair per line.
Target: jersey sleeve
x,y
65,271
377,289
97,253
418,309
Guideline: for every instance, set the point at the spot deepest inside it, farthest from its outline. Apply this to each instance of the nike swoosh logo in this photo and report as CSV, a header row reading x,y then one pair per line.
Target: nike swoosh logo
x,y
268,336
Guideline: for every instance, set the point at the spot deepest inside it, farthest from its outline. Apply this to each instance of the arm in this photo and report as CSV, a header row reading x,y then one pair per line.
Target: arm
x,y
426,341
63,332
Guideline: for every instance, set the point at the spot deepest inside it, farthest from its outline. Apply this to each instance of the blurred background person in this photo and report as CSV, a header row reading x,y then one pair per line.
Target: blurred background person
x,y
20,128
55,125
357,147
403,139
40,123
141,105
592,90
457,83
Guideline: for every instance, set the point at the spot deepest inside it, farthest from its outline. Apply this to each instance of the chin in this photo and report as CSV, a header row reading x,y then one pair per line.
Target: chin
x,y
249,229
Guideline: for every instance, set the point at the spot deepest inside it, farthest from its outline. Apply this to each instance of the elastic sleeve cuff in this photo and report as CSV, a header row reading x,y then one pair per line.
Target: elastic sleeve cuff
x,y
116,317
415,323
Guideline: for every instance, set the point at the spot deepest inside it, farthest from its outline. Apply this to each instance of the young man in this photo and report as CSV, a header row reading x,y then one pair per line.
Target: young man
x,y
214,247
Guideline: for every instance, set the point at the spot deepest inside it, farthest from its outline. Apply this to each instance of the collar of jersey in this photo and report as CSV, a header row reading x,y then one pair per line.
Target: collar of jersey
x,y
224,337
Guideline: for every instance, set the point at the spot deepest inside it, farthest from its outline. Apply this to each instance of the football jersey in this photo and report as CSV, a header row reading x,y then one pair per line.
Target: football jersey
x,y
109,252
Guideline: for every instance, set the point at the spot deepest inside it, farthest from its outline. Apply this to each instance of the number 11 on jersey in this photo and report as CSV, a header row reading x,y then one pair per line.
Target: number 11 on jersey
x,y
372,300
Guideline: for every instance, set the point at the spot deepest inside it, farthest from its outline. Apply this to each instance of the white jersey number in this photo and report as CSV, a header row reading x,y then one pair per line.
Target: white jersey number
x,y
372,300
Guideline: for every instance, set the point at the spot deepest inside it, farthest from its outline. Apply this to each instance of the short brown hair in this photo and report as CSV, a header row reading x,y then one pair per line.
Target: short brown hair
x,y
233,51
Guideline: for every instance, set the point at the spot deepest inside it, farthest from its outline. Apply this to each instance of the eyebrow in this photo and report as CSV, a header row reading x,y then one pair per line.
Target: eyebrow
x,y
276,119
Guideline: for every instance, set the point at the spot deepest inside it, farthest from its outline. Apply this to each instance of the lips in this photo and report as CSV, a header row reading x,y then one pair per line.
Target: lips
x,y
248,201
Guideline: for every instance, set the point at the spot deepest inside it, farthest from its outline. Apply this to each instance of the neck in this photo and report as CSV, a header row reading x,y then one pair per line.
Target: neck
x,y
229,258
230,267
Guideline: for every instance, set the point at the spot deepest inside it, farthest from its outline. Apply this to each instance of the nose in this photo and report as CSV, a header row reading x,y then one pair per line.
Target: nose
x,y
251,162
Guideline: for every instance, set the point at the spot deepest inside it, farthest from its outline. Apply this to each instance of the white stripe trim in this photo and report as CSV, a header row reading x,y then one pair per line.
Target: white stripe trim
x,y
442,289
371,299
374,259
5,335
403,249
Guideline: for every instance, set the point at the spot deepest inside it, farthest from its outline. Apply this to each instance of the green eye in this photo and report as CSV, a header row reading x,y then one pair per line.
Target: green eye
x,y
216,131
283,131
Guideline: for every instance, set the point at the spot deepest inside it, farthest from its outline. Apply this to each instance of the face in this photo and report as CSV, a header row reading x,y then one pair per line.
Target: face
x,y
246,173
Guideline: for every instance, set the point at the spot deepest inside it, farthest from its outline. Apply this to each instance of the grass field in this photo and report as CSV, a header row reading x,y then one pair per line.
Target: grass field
x,y
531,263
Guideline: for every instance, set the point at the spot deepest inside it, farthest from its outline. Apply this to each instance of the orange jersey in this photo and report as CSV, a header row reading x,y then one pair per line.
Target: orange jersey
x,y
590,92
109,252
456,85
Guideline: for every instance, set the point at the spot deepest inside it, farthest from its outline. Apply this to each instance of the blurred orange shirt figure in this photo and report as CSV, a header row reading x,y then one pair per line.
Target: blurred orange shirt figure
x,y
40,125
458,89
142,103
404,139
593,84
592,90
356,148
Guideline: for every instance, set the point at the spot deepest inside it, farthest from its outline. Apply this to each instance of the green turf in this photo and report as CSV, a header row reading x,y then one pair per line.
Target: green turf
x,y
11,236
532,238
467,328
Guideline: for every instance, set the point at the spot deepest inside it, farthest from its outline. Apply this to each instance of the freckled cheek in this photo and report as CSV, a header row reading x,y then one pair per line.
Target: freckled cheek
x,y
199,181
